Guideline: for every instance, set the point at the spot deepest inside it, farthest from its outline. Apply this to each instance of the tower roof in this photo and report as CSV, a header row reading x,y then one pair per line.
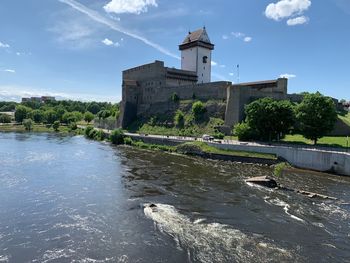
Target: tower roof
x,y
197,38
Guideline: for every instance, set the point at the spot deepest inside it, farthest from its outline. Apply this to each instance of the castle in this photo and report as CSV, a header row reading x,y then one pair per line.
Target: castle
x,y
147,89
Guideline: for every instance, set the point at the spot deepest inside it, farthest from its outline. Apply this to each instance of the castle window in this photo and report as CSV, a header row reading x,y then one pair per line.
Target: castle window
x,y
205,59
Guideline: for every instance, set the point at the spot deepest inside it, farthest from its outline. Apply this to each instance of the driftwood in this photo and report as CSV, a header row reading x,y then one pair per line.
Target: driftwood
x,y
271,183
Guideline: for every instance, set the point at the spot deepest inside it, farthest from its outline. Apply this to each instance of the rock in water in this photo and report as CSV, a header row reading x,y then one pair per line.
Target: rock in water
x,y
263,181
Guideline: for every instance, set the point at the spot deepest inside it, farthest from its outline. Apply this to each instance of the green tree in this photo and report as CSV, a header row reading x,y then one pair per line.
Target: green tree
x,y
179,119
244,132
21,113
88,116
69,117
37,116
316,116
78,115
60,110
270,119
4,118
94,108
28,124
56,125
117,136
50,116
103,114
198,109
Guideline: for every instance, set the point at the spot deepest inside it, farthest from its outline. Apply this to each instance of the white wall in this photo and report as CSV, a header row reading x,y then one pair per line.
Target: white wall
x,y
192,59
318,160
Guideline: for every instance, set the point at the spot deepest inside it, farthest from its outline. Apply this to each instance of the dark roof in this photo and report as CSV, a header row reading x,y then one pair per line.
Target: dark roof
x,y
197,38
257,83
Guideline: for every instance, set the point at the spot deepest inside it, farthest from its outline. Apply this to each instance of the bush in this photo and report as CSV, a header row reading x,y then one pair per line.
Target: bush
x,y
73,126
219,135
179,119
88,117
4,118
88,131
56,125
69,117
128,141
51,116
244,132
28,124
117,136
198,109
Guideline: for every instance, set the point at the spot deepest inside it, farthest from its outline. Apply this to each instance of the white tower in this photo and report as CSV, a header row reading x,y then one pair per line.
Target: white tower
x,y
196,54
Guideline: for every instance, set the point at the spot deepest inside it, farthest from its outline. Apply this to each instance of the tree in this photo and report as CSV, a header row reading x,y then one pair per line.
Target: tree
x,y
88,116
316,116
179,119
244,132
198,109
78,115
69,117
21,113
270,119
28,124
94,108
103,114
50,116
4,118
36,115
56,125
60,110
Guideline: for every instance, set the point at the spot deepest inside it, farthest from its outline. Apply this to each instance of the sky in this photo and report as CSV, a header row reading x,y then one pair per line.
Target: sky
x,y
77,49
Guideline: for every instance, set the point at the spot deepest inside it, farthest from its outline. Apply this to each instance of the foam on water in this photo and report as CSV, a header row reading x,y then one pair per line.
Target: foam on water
x,y
213,242
285,206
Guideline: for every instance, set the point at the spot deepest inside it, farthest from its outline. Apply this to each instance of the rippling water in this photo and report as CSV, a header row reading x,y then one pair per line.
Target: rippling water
x,y
68,199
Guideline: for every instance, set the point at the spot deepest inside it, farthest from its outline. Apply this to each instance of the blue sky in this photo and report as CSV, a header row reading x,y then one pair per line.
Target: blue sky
x,y
77,48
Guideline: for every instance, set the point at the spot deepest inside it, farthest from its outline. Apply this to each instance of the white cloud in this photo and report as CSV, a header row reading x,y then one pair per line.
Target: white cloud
x,y
247,39
286,8
129,6
222,66
237,34
10,70
107,42
4,45
288,76
15,93
224,37
114,26
231,74
213,63
297,21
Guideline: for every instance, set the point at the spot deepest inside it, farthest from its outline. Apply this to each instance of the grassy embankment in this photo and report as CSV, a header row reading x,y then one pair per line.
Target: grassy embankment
x,y
36,128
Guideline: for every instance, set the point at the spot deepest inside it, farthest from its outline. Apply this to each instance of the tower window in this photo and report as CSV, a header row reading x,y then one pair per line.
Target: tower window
x,y
205,59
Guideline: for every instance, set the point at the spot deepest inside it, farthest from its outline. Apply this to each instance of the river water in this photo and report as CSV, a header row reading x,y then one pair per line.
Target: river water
x,y
68,199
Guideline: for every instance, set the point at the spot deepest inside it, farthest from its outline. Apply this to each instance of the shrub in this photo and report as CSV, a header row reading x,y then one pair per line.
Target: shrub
x,y
219,135
4,118
28,124
179,119
51,116
244,132
198,109
117,136
73,126
88,117
37,116
128,141
56,125
88,131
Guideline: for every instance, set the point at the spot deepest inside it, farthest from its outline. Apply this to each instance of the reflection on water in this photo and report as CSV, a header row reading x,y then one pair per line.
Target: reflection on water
x,y
67,199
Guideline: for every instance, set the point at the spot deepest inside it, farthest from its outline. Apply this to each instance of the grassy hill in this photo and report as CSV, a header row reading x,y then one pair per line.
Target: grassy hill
x,y
345,118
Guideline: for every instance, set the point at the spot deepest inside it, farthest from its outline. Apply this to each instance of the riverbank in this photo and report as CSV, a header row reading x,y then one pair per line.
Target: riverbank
x,y
40,128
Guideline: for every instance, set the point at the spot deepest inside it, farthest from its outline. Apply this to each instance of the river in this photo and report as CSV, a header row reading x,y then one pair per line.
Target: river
x,y
69,199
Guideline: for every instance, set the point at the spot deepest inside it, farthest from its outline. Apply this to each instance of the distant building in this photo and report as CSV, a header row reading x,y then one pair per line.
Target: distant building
x,y
147,89
42,99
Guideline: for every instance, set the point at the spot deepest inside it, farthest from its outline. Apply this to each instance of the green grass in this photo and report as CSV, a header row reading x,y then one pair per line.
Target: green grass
x,y
345,118
325,141
211,149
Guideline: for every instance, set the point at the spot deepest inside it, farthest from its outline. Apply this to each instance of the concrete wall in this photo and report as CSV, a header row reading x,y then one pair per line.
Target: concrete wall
x,y
318,160
242,94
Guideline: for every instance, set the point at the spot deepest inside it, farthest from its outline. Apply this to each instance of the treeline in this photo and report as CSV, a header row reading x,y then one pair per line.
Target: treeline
x,y
270,120
65,111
